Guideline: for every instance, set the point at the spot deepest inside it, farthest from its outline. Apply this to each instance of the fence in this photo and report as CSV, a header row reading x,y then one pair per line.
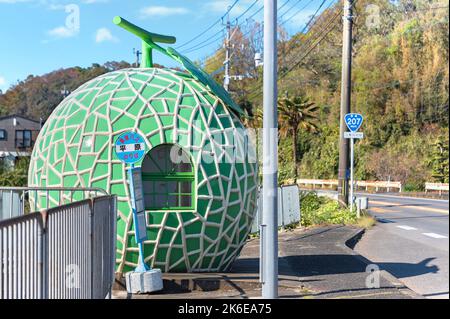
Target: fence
x,y
441,187
288,207
64,252
17,201
331,183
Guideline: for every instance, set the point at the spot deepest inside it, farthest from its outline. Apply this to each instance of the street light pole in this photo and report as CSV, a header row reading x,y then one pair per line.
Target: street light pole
x,y
270,155
345,100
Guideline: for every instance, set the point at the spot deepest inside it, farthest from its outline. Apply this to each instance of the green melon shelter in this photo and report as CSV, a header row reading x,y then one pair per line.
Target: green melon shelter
x,y
199,212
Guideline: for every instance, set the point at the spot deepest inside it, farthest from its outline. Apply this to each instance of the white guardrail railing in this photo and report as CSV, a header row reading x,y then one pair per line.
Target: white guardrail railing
x,y
388,185
441,187
65,252
18,201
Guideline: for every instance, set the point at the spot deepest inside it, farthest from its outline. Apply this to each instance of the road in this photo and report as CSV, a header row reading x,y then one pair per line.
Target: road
x,y
410,241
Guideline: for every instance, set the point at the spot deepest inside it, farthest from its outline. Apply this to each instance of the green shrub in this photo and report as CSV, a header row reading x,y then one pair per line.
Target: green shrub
x,y
317,210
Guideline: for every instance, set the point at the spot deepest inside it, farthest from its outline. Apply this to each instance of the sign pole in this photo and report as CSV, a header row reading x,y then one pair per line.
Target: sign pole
x,y
142,267
351,172
130,149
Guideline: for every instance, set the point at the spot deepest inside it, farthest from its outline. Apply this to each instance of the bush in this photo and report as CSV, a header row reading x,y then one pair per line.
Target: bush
x,y
317,210
16,176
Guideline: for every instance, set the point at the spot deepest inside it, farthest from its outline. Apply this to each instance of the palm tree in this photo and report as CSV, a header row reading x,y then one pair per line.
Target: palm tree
x,y
295,114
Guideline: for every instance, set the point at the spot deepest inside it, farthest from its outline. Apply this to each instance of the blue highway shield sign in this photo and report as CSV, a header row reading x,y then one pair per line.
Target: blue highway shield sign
x,y
353,121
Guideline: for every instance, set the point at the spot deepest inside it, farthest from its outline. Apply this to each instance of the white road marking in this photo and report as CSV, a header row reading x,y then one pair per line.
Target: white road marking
x,y
404,197
406,227
433,235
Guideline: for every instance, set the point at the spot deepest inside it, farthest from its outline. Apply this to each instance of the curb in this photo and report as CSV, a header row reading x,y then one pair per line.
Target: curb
x,y
350,244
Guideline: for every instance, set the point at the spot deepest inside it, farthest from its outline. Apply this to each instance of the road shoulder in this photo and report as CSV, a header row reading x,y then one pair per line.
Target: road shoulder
x,y
314,263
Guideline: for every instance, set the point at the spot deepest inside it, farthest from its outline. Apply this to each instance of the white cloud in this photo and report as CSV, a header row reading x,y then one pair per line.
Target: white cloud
x,y
63,32
104,35
14,1
94,1
161,11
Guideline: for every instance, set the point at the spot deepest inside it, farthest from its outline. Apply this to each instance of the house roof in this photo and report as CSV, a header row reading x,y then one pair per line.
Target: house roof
x,y
18,116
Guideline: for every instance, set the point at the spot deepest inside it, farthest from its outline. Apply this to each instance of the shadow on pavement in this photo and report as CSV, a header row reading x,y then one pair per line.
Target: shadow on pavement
x,y
319,265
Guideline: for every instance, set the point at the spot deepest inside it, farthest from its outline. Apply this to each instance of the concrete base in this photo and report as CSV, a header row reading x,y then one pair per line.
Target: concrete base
x,y
144,282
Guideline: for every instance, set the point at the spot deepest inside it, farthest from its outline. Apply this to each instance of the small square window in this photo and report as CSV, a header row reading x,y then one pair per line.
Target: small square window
x,y
2,135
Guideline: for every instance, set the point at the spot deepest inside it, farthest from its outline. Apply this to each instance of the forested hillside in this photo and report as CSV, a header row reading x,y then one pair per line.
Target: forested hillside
x,y
400,84
37,96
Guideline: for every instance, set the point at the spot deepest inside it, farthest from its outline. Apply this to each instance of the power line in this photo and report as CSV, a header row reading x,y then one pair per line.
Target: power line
x,y
210,27
314,45
303,30
288,10
200,44
214,40
297,12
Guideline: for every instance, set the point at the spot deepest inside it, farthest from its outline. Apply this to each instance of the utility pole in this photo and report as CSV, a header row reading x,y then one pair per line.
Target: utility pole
x,y
64,92
346,91
269,229
226,77
138,56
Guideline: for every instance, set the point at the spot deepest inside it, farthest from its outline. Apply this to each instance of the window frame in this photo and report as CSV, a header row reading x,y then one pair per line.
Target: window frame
x,y
22,133
5,135
171,177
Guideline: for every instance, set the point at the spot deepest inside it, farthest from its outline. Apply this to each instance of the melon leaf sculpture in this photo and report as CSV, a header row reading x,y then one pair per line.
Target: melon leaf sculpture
x,y
199,211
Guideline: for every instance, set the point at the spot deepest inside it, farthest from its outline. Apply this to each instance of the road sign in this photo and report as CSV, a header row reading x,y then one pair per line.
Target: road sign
x,y
353,121
353,134
130,147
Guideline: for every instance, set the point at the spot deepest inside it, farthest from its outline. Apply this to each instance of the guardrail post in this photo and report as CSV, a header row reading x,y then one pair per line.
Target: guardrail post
x,y
43,261
91,243
280,200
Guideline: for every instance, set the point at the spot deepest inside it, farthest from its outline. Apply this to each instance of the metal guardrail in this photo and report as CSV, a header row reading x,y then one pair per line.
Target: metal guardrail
x,y
288,207
441,187
64,252
364,184
17,201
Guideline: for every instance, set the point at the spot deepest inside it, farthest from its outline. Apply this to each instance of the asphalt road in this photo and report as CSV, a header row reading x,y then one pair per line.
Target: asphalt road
x,y
410,241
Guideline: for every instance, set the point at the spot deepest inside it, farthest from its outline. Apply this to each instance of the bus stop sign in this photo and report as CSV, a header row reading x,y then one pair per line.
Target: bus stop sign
x,y
130,147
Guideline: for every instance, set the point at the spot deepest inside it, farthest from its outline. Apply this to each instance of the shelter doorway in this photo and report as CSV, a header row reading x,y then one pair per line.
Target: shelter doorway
x,y
168,178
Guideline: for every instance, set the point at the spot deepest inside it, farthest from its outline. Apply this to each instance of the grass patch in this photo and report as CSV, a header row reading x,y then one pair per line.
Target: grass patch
x,y
366,221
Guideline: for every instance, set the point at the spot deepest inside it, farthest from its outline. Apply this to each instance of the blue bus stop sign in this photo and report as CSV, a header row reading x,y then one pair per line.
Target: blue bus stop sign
x,y
130,147
353,121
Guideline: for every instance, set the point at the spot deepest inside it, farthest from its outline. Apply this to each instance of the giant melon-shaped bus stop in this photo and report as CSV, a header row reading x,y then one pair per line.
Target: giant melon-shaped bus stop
x,y
199,210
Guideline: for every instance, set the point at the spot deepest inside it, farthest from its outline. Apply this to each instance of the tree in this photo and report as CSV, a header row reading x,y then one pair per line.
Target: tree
x,y
295,114
440,162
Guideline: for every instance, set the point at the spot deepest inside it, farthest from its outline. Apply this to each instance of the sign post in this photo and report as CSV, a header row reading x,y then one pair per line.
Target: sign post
x,y
130,148
353,121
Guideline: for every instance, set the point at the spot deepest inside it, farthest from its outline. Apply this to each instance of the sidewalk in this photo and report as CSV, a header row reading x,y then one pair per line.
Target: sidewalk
x,y
313,263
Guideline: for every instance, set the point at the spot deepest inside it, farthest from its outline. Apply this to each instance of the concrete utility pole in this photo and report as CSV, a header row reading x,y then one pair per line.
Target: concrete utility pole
x,y
346,91
226,77
138,54
269,229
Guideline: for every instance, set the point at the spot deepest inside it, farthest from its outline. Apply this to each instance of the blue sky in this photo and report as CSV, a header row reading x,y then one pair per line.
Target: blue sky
x,y
39,36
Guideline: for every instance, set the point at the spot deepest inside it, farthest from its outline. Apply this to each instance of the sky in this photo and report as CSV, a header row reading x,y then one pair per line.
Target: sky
x,y
40,36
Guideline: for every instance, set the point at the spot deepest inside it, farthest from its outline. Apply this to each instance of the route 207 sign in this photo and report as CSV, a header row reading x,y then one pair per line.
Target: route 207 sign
x,y
130,147
353,121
